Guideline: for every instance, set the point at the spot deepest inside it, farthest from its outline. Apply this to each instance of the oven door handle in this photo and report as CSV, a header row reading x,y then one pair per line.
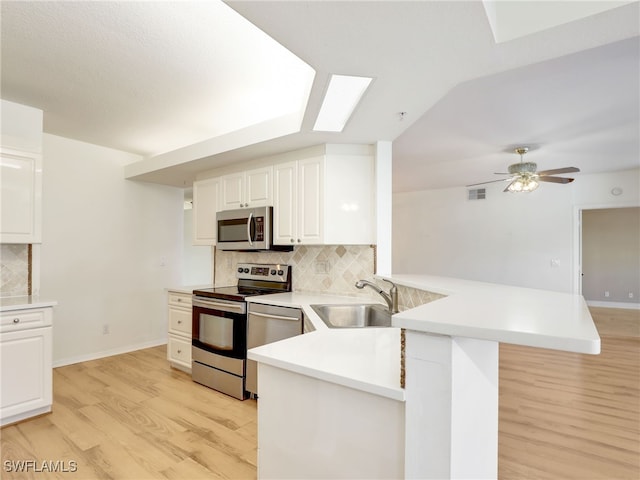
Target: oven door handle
x,y
221,306
274,317
249,229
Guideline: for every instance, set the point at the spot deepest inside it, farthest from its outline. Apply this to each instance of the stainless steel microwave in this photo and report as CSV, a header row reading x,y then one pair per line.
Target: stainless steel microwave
x,y
245,229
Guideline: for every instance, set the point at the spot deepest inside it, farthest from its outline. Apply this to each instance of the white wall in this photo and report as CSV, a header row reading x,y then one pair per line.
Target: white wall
x,y
507,238
110,248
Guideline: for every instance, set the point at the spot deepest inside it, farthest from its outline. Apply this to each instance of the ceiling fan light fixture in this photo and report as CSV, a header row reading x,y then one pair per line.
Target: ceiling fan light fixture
x,y
523,184
525,176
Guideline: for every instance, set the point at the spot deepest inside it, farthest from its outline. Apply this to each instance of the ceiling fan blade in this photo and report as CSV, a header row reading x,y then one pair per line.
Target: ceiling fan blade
x,y
559,170
502,173
555,179
507,189
484,183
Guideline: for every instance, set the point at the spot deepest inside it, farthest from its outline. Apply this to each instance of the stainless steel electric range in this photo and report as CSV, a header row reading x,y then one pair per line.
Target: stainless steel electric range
x,y
219,321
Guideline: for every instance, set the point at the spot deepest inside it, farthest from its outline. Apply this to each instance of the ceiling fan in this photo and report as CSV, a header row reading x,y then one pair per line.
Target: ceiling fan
x,y
524,177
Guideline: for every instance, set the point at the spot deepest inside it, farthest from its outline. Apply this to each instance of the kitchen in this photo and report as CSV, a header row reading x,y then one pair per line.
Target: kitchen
x,y
111,247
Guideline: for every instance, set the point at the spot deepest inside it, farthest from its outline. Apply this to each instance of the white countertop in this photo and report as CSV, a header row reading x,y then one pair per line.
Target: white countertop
x,y
187,288
366,359
24,302
522,316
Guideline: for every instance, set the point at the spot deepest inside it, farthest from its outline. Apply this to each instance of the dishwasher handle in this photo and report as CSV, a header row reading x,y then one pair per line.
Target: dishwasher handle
x,y
274,317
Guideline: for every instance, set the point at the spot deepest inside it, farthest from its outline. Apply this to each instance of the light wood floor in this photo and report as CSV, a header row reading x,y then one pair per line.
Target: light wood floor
x,y
133,417
562,416
572,416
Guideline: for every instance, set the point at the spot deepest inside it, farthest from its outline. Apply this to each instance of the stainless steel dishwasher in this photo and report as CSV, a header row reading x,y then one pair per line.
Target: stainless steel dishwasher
x,y
268,324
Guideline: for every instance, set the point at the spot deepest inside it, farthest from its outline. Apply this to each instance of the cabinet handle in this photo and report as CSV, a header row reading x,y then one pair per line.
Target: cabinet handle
x,y
299,240
179,299
179,351
292,240
179,322
16,320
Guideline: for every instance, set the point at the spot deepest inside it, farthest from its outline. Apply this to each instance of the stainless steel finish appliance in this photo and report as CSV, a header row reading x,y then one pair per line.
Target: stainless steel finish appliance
x,y
267,324
245,229
219,325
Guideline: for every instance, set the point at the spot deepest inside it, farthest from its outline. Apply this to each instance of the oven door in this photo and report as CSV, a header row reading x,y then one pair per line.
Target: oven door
x,y
220,327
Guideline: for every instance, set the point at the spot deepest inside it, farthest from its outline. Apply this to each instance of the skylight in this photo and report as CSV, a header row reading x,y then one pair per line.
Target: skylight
x,y
342,97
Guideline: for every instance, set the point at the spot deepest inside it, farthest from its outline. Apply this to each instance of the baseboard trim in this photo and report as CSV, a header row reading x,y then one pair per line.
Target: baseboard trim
x,y
628,306
109,353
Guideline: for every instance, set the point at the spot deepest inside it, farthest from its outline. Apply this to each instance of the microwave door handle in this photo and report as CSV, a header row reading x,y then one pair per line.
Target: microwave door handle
x,y
249,229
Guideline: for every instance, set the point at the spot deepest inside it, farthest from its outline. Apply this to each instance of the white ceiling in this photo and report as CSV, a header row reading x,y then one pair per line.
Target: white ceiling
x,y
155,78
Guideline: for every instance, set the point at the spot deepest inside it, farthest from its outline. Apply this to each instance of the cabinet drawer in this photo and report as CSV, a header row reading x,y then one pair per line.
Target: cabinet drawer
x,y
180,299
180,321
179,351
23,319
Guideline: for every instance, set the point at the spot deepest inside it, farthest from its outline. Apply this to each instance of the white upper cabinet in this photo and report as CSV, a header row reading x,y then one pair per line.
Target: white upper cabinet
x,y
252,188
20,196
206,202
349,199
297,208
20,174
327,199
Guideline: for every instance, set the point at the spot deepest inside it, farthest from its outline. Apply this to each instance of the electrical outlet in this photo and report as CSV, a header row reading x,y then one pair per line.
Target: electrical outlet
x,y
321,268
630,294
105,329
606,294
555,263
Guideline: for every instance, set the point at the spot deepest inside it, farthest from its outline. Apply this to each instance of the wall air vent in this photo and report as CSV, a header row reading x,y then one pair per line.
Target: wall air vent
x,y
478,194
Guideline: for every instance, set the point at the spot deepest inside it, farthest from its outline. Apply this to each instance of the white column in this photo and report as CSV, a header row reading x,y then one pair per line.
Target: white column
x,y
384,225
451,407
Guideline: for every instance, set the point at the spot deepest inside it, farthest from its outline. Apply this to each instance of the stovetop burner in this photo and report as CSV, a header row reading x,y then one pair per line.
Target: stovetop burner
x,y
253,279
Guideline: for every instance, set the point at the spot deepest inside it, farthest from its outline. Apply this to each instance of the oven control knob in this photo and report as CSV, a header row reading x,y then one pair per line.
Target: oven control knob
x,y
240,270
246,270
280,272
273,272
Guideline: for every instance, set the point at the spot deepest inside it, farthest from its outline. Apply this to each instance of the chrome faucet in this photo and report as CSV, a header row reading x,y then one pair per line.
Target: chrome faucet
x,y
391,298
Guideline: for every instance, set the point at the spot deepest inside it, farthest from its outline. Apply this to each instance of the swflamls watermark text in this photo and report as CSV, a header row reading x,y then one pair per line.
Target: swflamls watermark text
x,y
38,466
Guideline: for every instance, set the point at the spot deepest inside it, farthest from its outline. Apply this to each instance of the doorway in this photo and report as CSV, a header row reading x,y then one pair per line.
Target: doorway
x,y
609,262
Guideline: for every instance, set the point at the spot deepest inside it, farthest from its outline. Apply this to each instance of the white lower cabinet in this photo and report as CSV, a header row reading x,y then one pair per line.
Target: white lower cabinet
x,y
179,338
26,364
311,428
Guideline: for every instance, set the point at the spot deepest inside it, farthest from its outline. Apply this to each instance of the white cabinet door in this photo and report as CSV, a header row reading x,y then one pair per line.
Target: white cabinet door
x,y
21,197
350,200
310,200
205,206
251,188
26,376
232,191
258,187
284,204
179,352
298,207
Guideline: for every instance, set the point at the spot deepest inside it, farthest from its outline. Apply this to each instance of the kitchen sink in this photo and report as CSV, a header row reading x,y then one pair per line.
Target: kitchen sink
x,y
353,315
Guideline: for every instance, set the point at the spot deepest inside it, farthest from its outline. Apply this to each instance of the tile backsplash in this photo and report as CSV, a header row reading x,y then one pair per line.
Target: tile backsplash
x,y
330,269
322,268
14,270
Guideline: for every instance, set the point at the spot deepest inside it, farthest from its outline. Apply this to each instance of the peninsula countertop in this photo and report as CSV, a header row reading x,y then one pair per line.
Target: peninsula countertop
x,y
366,359
369,358
502,313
